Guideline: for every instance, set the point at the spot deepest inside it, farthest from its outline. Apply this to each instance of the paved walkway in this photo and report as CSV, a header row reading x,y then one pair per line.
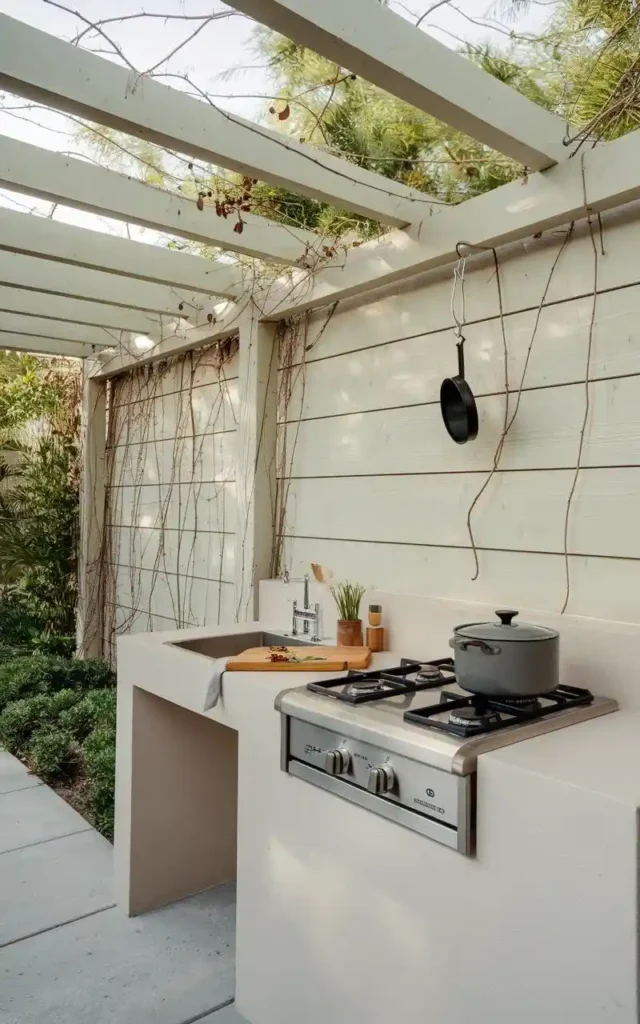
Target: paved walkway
x,y
67,953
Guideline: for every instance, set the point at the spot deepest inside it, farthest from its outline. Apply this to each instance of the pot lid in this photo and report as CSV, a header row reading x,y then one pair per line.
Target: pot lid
x,y
505,629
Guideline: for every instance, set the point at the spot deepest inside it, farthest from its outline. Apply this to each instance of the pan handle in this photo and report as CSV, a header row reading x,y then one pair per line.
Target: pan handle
x,y
460,348
481,645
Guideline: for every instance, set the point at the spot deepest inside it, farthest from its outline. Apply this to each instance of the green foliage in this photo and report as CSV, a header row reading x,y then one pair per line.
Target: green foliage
x,y
46,674
21,718
38,496
100,765
51,754
96,709
348,597
59,715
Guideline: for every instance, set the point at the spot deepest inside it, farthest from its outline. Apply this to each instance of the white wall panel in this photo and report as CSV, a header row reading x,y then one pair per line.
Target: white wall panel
x,y
432,510
525,269
545,434
172,510
375,488
411,371
600,587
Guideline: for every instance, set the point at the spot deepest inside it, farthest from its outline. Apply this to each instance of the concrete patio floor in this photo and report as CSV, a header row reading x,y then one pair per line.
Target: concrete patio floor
x,y
68,955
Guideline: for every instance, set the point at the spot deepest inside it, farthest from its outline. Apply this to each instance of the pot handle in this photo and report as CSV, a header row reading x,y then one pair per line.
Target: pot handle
x,y
480,645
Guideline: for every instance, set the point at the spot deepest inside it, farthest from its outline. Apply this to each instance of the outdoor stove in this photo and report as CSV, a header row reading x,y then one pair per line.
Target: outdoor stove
x,y
404,742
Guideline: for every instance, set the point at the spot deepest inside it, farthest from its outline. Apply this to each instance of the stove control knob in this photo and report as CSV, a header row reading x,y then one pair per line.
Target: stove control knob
x,y
381,780
336,762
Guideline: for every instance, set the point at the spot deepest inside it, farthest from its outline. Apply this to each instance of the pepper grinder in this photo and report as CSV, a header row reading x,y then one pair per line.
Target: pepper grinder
x,y
375,631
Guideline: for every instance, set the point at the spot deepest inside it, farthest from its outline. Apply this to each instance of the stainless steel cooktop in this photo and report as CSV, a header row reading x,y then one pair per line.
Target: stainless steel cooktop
x,y
404,742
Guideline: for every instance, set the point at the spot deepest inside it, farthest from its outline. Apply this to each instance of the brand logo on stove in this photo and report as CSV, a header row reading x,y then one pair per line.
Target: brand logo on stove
x,y
430,792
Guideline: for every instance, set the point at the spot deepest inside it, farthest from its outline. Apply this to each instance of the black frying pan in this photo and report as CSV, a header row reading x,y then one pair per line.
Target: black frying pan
x,y
457,404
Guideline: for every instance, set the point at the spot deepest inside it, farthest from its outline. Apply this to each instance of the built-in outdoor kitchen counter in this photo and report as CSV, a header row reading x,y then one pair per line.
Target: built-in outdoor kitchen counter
x,y
344,915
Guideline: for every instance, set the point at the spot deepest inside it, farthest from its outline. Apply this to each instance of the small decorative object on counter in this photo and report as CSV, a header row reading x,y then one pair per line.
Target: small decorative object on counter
x,y
375,630
348,597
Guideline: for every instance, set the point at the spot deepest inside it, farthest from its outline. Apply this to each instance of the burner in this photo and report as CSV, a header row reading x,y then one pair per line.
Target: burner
x,y
407,677
469,716
474,717
517,702
366,686
429,673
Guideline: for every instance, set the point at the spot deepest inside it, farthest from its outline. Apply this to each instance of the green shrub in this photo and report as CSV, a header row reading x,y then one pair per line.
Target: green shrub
x,y
96,708
40,673
21,718
51,754
100,764
51,643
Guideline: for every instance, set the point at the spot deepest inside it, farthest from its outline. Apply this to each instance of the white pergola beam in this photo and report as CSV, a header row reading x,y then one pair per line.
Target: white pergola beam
x,y
30,273
373,41
47,70
62,179
596,180
30,343
173,344
76,311
65,243
15,323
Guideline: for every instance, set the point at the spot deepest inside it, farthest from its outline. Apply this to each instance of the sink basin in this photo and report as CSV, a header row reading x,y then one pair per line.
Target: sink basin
x,y
236,643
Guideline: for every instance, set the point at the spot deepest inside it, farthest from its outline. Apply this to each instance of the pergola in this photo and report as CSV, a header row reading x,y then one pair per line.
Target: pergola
x,y
118,303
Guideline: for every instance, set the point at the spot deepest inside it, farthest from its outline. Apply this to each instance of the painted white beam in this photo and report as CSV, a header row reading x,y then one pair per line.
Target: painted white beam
x,y
255,489
598,179
47,70
45,346
174,343
62,179
15,323
76,311
91,567
30,273
51,240
384,48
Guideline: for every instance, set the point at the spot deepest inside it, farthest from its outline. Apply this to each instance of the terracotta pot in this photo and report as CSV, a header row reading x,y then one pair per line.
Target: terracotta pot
x,y
349,633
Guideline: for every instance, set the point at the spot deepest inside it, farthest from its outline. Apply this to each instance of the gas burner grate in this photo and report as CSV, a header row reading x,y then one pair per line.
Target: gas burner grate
x,y
495,713
363,687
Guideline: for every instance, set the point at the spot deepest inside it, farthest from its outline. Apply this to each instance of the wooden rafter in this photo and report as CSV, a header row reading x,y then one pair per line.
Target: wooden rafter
x,y
45,346
15,323
47,70
370,39
30,273
595,180
51,240
172,344
83,186
76,311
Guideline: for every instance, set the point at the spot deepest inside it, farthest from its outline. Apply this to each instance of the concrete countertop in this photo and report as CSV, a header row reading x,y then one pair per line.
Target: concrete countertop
x,y
601,755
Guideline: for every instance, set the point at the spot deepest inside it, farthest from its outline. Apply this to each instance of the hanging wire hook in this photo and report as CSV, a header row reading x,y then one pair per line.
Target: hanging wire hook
x,y
458,276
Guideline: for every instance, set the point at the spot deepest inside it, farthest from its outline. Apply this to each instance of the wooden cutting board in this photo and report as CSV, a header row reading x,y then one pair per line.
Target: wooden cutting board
x,y
325,659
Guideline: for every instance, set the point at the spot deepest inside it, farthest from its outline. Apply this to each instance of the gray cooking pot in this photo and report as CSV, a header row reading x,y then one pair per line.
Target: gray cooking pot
x,y
506,658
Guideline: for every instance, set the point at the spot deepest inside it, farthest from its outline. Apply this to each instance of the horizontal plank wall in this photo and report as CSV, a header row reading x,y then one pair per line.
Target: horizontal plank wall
x,y
371,485
171,533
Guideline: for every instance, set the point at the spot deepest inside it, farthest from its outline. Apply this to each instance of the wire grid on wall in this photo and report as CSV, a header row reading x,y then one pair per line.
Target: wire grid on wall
x,y
169,538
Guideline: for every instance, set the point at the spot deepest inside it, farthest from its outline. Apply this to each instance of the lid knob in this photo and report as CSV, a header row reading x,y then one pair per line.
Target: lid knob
x,y
505,616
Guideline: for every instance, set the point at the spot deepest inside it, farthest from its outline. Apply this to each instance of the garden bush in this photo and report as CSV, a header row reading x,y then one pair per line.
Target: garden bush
x,y
100,765
59,715
21,718
52,754
41,673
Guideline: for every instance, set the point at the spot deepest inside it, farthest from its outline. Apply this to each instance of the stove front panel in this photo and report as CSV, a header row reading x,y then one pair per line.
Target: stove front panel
x,y
416,795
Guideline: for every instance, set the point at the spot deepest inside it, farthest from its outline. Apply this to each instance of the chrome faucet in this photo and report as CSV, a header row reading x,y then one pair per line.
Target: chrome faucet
x,y
307,614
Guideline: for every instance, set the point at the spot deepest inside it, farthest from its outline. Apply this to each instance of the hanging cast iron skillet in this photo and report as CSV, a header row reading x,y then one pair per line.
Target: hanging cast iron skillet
x,y
457,404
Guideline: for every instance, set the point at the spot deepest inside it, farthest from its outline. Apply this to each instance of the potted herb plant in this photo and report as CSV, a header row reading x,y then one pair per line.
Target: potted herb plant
x,y
348,597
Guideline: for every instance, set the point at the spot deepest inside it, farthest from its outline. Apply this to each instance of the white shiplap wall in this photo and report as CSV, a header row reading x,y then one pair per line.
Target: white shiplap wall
x,y
171,495
378,492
